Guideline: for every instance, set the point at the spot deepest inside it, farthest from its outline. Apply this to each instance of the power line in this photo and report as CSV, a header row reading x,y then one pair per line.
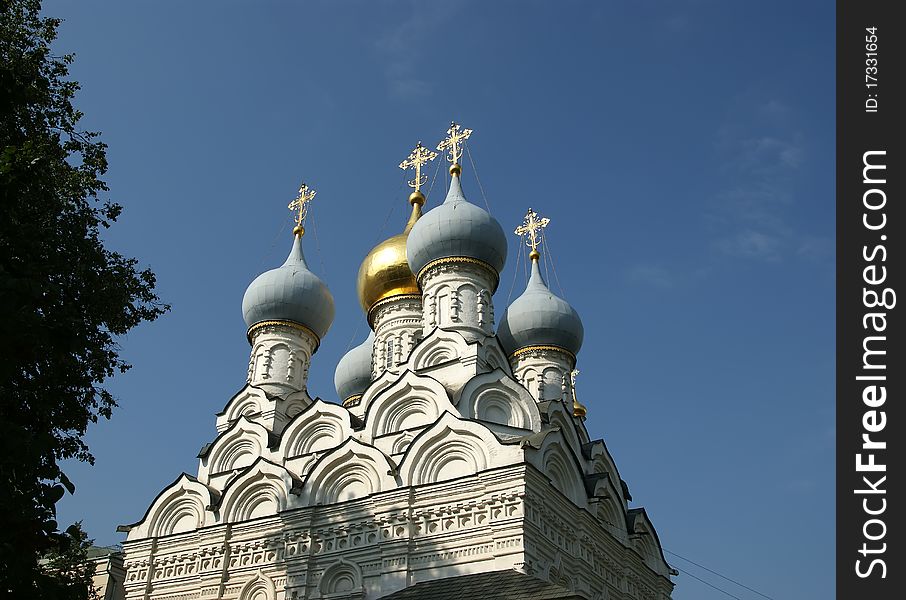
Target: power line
x,y
475,170
515,271
733,581
433,179
711,585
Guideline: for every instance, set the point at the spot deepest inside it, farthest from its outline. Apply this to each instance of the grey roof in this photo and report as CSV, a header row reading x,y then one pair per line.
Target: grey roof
x,y
290,292
103,551
456,228
495,585
353,372
540,318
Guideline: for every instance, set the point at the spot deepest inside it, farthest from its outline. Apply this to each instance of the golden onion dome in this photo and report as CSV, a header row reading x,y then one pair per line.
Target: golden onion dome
x,y
385,271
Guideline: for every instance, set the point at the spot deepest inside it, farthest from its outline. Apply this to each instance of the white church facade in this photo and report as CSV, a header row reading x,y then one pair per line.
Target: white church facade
x,y
454,459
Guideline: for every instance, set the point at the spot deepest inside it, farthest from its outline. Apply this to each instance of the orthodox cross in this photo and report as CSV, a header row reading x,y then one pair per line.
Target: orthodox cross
x,y
530,229
300,204
419,157
456,135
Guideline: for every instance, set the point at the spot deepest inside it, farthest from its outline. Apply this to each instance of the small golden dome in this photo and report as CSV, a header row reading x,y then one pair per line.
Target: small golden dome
x,y
385,271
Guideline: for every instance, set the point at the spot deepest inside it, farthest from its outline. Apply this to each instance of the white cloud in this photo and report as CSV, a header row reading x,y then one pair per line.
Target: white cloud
x,y
651,275
752,244
403,46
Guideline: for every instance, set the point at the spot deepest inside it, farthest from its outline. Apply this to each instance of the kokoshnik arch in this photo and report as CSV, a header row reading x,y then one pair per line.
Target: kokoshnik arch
x,y
455,457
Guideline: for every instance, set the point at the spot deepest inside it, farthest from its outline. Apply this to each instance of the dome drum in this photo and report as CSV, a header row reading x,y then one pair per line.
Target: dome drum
x,y
461,260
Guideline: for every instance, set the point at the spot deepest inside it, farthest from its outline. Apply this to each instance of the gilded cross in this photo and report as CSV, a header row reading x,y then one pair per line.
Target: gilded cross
x,y
531,226
300,204
418,158
456,135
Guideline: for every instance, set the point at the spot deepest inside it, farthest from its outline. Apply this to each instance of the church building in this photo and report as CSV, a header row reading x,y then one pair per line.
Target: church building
x,y
453,461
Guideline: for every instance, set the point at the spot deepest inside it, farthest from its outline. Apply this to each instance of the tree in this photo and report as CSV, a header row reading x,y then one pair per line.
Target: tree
x,y
64,299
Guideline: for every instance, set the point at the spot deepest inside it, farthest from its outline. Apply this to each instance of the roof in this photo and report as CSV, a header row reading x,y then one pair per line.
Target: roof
x,y
495,585
103,551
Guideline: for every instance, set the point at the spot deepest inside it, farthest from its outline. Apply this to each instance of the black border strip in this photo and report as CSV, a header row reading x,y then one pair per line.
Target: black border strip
x,y
871,64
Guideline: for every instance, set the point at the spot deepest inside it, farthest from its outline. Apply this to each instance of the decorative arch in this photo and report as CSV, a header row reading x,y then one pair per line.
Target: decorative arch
x,y
554,458
237,447
602,462
261,491
561,470
439,347
341,578
553,380
295,404
497,398
606,501
467,302
260,587
247,402
494,356
531,380
181,507
559,416
402,443
320,427
645,540
352,470
385,380
453,448
412,401
606,510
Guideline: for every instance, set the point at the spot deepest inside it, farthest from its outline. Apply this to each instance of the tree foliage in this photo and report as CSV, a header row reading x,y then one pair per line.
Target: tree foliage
x,y
64,297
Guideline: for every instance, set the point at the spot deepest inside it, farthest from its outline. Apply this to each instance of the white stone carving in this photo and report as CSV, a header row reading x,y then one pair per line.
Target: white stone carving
x,y
453,448
320,427
280,357
352,470
452,293
264,489
236,448
412,401
496,397
261,587
181,507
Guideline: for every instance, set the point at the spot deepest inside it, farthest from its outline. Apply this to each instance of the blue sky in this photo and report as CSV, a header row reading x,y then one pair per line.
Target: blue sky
x,y
684,152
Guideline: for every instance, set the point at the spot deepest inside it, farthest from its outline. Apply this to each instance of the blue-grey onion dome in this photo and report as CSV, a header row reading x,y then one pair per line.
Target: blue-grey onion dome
x,y
290,292
540,318
456,228
353,374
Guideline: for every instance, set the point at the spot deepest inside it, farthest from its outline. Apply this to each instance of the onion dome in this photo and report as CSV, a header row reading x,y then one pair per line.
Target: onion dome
x,y
353,372
290,293
385,271
456,229
540,318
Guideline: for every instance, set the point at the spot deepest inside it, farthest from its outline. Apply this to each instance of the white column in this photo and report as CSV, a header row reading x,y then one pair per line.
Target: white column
x,y
544,371
281,356
457,296
397,323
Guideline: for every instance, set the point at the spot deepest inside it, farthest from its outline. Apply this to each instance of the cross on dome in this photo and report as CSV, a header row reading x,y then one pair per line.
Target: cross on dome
x,y
300,206
453,144
419,157
530,230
